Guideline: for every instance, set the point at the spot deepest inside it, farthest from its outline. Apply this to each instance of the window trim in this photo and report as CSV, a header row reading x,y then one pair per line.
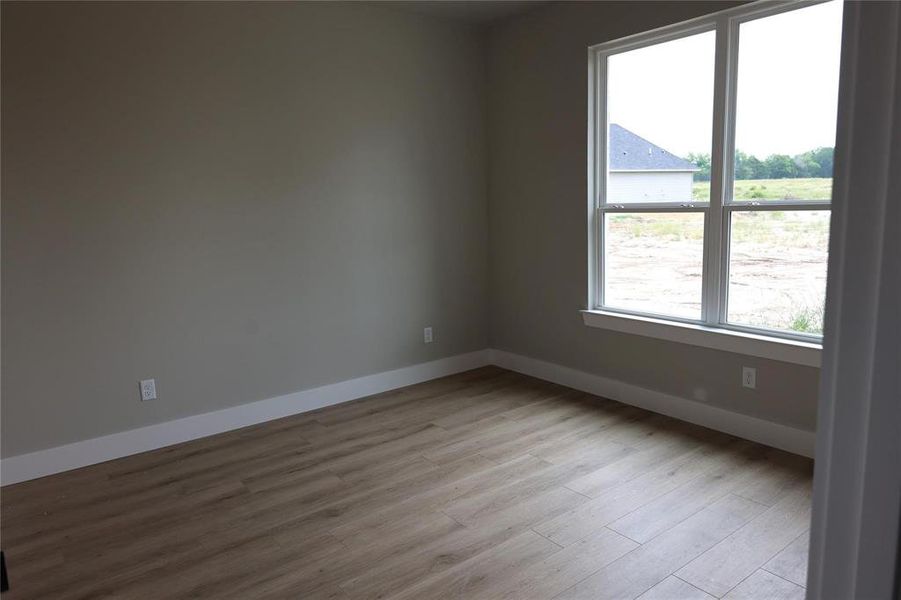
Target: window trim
x,y
697,334
716,210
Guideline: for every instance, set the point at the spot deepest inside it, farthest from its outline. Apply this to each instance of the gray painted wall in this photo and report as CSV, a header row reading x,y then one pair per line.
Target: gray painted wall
x,y
538,195
240,200
246,200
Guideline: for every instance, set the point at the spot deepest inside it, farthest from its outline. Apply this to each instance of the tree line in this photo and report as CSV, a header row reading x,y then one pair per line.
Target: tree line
x,y
813,163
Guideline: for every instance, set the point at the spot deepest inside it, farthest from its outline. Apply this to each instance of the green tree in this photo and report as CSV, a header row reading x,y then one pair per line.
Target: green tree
x,y
702,161
781,166
813,163
748,167
757,168
807,165
824,158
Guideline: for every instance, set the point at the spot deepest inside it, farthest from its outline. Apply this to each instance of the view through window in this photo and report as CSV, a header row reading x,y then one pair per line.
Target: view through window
x,y
684,234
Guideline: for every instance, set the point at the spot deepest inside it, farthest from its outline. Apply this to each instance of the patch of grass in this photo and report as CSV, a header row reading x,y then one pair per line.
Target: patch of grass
x,y
783,229
800,317
806,319
670,227
812,188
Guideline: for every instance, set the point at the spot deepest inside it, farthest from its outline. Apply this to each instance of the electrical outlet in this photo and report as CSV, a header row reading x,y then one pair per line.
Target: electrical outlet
x,y
427,335
148,389
749,377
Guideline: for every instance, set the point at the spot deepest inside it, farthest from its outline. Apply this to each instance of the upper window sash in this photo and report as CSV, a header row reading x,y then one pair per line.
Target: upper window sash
x,y
599,117
726,25
730,22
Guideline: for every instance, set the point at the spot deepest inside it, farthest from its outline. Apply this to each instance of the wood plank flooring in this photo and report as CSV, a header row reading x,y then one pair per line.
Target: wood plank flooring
x,y
486,484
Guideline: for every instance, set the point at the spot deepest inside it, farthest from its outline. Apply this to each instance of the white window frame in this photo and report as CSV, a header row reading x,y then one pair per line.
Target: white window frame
x,y
712,329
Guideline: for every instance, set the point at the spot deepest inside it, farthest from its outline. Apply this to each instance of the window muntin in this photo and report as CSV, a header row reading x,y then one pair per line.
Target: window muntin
x,y
758,272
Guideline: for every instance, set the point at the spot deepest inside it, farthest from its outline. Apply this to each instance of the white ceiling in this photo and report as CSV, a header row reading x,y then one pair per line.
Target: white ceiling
x,y
472,11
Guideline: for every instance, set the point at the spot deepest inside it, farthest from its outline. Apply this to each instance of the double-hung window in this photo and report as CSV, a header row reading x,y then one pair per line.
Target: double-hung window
x,y
711,147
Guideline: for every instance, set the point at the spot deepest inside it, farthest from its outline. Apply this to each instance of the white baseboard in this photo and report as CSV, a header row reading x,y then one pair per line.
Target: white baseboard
x,y
797,441
96,450
89,452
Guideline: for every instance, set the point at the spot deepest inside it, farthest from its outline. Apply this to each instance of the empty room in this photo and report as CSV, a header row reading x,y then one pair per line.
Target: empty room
x,y
523,300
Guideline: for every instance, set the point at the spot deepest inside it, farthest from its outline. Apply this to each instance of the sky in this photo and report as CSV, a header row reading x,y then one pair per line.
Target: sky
x,y
787,86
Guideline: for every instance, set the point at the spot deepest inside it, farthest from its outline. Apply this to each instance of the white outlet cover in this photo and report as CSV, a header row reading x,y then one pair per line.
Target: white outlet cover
x,y
427,335
148,389
749,377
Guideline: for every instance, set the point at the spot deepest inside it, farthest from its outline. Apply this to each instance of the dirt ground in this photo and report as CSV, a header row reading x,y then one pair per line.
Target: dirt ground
x,y
777,272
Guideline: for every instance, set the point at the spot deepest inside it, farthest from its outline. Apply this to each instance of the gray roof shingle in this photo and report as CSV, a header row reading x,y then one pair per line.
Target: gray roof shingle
x,y
630,152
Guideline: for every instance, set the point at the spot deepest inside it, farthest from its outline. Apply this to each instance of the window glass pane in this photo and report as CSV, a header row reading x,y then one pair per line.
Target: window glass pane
x,y
788,67
777,269
660,119
653,262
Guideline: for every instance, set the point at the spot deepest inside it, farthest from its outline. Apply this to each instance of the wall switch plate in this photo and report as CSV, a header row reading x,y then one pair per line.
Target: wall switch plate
x,y
427,335
749,377
148,389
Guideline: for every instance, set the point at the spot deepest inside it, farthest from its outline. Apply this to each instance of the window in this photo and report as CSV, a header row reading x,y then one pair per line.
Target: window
x,y
711,174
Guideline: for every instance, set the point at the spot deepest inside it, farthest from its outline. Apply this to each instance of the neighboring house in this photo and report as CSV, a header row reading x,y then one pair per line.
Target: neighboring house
x,y
640,171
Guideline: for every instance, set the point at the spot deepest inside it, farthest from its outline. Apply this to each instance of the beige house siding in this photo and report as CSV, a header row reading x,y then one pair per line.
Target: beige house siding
x,y
649,186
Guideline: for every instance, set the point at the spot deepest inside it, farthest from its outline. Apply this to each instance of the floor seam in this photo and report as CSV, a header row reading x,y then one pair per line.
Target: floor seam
x,y
781,577
608,528
599,569
734,586
703,591
442,511
586,496
532,529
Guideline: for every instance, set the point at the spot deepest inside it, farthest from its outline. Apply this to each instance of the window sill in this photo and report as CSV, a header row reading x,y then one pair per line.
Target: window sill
x,y
792,351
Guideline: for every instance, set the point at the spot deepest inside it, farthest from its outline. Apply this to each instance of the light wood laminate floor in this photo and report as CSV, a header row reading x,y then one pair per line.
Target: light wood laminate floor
x,y
486,484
